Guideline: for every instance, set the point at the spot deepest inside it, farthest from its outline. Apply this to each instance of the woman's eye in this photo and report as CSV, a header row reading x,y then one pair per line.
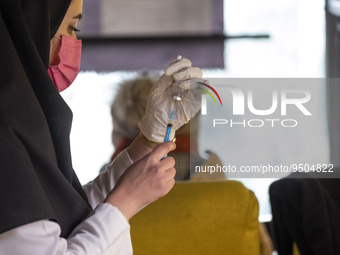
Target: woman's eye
x,y
73,29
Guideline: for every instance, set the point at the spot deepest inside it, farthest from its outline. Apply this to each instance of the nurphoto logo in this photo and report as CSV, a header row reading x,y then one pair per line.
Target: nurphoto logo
x,y
243,104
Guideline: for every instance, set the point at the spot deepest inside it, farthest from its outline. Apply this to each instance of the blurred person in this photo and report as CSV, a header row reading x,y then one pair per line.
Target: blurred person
x,y
45,210
127,109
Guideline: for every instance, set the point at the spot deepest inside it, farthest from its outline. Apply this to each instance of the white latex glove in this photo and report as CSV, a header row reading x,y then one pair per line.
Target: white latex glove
x,y
178,74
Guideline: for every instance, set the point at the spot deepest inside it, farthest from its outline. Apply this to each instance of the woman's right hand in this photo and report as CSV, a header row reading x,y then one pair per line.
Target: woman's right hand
x,y
145,181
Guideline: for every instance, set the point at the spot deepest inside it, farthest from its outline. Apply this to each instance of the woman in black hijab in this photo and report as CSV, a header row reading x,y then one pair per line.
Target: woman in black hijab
x,y
44,209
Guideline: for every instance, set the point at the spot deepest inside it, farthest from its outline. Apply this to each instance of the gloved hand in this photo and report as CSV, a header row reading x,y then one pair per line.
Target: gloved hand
x,y
178,75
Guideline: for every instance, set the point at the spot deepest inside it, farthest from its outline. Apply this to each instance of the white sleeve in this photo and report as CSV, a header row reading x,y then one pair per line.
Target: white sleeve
x,y
105,231
99,188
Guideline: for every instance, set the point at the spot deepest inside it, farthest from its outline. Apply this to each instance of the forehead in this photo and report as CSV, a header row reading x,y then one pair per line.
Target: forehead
x,y
75,8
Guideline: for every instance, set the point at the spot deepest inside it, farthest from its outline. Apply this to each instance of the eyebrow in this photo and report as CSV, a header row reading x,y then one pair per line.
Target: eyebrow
x,y
79,16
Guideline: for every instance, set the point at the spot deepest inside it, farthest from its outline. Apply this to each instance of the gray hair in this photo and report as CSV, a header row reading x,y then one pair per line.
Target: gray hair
x,y
128,107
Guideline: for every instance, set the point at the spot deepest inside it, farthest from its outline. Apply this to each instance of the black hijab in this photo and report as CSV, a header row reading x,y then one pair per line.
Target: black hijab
x,y
37,180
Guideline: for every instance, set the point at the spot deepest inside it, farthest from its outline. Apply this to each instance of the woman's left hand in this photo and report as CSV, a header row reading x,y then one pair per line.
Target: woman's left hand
x,y
179,75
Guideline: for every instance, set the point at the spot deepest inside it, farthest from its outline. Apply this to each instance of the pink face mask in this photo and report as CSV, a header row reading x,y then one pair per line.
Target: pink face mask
x,y
67,70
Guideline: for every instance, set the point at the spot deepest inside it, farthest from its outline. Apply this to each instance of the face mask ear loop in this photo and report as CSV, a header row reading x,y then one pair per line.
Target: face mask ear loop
x,y
57,37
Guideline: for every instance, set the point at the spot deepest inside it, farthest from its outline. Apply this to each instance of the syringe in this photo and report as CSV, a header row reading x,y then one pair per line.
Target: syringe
x,y
177,97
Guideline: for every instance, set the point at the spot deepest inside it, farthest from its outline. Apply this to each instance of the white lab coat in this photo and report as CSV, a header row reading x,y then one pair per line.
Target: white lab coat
x,y
105,231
